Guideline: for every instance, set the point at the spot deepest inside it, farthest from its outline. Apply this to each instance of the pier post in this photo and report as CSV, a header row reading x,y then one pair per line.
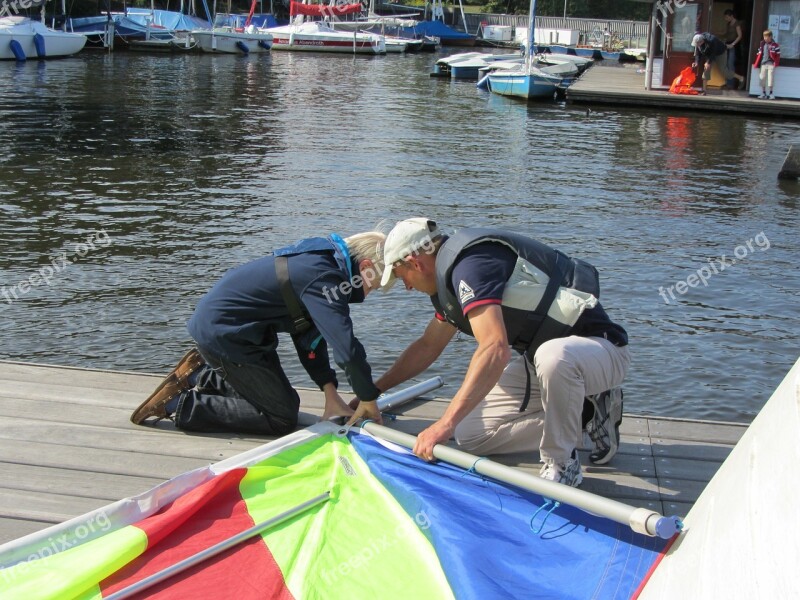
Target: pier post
x,y
791,164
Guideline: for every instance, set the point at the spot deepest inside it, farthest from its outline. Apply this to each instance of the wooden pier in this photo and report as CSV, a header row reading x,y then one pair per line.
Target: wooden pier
x,y
68,447
623,85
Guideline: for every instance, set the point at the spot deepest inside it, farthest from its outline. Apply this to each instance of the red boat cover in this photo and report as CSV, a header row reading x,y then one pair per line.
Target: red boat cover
x,y
321,10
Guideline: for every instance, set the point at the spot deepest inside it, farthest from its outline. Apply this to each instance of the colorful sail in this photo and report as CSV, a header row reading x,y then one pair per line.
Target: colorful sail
x,y
394,527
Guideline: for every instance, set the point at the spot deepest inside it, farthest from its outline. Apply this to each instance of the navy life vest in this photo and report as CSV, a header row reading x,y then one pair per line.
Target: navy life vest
x,y
543,298
301,322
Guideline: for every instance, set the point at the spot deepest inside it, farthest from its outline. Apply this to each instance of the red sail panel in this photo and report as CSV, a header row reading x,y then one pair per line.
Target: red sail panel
x,y
321,10
207,515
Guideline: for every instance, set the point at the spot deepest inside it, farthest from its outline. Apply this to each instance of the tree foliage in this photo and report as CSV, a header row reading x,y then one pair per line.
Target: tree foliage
x,y
587,9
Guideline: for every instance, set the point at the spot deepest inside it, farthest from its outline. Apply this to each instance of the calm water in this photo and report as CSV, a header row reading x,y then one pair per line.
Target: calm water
x,y
154,175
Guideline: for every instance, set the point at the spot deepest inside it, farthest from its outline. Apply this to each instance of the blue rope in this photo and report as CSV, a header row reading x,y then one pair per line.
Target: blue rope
x,y
547,503
472,468
472,471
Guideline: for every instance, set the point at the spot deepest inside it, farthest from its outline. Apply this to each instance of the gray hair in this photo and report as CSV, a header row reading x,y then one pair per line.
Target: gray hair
x,y
367,246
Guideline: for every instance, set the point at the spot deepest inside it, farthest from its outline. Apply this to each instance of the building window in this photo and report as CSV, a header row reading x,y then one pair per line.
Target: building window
x,y
783,18
686,19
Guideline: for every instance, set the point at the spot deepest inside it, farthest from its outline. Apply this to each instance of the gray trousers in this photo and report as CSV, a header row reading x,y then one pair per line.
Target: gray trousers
x,y
564,371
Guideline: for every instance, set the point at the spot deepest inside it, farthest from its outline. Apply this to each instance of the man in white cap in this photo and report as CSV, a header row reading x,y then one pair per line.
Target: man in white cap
x,y
713,51
512,292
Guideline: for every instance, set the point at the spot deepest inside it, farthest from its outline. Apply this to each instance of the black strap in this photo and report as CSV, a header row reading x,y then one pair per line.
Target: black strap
x,y
299,320
527,397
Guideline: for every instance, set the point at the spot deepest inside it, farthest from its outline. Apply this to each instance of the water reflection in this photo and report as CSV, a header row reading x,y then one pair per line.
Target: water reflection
x,y
194,164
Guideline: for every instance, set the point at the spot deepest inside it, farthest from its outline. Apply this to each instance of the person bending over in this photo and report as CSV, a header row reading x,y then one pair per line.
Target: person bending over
x,y
511,292
233,380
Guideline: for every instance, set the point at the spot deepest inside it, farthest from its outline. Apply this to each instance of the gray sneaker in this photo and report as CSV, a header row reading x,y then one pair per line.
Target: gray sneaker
x,y
603,429
568,473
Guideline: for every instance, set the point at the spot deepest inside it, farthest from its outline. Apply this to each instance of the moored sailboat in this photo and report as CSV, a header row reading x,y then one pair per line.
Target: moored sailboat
x,y
317,36
526,81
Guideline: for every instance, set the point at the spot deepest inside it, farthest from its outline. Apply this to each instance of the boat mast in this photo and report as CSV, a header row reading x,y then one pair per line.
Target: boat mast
x,y
531,43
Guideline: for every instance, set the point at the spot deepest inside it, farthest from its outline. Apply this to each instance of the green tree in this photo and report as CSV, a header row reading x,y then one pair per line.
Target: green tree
x,y
587,9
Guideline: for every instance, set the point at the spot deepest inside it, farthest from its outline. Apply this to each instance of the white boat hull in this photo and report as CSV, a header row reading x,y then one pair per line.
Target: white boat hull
x,y
315,37
232,42
23,31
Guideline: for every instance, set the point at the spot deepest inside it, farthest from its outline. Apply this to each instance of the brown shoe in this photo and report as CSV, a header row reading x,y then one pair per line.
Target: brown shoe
x,y
174,383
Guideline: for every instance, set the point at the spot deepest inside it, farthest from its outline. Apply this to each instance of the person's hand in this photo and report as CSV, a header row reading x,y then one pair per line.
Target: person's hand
x,y
335,407
729,46
438,433
694,65
366,410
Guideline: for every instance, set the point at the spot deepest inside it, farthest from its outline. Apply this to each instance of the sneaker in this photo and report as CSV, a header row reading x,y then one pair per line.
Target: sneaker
x,y
772,96
568,473
174,383
762,97
603,429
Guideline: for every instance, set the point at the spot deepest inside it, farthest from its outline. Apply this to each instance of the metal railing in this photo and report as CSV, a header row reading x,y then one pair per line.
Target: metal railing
x,y
629,33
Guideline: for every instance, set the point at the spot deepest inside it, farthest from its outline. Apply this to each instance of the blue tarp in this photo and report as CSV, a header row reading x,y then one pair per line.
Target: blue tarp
x,y
136,21
173,21
437,29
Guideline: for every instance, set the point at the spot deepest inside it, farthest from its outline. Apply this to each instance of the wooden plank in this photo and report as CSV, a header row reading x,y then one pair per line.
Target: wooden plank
x,y
47,508
680,509
83,483
52,392
68,376
211,447
663,448
142,464
681,468
680,490
696,431
11,529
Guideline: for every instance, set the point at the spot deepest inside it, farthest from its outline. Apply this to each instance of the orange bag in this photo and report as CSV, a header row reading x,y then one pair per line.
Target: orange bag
x,y
683,83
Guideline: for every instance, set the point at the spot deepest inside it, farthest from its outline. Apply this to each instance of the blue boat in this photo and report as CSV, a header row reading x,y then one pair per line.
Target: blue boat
x,y
587,52
527,81
559,49
609,55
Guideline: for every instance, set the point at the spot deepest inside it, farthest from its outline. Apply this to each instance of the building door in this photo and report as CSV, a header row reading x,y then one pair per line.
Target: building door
x,y
682,24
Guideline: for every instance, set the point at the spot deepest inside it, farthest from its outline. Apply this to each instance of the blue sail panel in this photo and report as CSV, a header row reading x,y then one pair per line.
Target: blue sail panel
x,y
497,541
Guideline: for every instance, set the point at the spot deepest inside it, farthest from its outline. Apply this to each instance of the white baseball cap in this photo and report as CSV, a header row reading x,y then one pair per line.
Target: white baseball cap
x,y
696,40
406,238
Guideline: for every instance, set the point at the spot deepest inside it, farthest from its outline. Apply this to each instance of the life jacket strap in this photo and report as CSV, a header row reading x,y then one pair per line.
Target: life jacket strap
x,y
300,321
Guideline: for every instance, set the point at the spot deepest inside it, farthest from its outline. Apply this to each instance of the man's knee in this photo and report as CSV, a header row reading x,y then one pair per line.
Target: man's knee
x,y
552,356
471,436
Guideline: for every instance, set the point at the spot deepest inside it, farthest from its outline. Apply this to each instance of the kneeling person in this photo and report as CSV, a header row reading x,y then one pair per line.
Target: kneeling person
x,y
510,291
234,380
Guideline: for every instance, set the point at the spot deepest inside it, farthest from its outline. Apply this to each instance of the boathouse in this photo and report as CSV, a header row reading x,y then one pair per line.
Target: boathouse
x,y
674,23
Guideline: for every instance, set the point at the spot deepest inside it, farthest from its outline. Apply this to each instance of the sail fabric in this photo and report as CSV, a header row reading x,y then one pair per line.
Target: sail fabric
x,y
389,515
574,555
324,10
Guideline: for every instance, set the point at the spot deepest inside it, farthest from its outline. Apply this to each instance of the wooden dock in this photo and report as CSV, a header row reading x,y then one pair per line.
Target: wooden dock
x,y
624,86
68,447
